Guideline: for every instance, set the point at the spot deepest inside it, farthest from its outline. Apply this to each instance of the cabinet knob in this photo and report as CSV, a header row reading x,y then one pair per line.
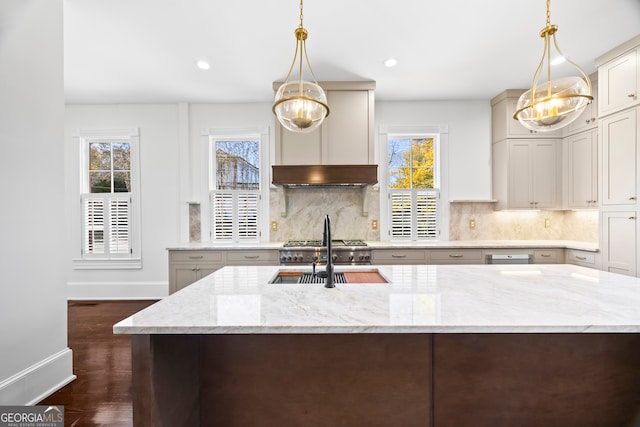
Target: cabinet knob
x,y
632,198
631,95
632,217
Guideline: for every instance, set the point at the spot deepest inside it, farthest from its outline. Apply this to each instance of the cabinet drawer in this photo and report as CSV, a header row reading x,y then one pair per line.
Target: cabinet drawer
x,y
196,256
581,257
462,256
250,257
398,257
547,256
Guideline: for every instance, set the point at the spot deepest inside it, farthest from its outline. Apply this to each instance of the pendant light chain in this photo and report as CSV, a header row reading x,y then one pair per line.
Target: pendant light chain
x,y
548,13
301,26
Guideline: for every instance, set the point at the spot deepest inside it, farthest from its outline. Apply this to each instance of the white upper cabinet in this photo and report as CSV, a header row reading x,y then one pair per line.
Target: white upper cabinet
x,y
619,133
526,173
504,126
345,137
582,170
619,78
589,117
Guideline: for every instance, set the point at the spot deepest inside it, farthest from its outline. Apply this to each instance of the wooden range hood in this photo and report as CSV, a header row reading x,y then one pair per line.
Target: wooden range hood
x,y
325,175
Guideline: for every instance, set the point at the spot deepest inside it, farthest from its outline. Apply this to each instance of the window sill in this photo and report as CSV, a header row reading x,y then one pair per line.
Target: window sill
x,y
107,264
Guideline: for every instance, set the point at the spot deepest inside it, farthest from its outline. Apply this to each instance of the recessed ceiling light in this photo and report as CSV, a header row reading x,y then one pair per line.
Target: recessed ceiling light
x,y
391,62
202,64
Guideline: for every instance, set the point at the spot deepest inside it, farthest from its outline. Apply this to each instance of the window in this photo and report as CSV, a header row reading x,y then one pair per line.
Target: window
x,y
413,186
108,193
235,188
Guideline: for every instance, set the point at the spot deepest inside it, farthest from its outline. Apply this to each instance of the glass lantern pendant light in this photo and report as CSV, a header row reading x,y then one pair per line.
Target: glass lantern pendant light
x,y
300,106
553,104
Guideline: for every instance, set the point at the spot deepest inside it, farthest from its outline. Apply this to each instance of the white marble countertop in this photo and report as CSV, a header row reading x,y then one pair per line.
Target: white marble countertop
x,y
418,299
457,244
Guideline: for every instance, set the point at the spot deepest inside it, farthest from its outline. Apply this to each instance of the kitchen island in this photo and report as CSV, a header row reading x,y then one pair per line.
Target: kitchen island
x,y
524,345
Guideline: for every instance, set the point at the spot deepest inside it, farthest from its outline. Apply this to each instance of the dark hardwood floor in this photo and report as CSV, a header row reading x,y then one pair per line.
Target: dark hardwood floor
x,y
101,394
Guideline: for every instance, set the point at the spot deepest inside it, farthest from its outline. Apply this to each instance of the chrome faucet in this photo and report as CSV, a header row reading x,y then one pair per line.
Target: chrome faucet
x,y
326,241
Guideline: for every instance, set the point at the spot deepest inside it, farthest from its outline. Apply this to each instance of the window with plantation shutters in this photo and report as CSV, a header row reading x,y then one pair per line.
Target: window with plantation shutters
x,y
413,187
235,189
109,214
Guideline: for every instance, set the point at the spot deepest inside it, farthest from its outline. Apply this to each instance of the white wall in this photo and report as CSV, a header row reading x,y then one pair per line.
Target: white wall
x,y
174,164
159,199
469,122
205,118
34,358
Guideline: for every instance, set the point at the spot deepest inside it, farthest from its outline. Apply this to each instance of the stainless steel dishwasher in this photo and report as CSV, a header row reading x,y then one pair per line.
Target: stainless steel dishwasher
x,y
509,259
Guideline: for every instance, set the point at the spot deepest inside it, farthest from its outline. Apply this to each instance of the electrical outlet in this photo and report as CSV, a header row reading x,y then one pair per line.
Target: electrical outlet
x,y
274,226
374,224
472,224
547,223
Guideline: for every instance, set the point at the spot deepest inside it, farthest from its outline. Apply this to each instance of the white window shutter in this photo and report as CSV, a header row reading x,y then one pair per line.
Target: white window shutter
x,y
400,203
247,208
222,215
93,231
426,214
119,225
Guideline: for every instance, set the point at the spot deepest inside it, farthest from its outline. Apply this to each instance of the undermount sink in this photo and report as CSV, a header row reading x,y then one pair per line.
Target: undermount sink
x,y
303,277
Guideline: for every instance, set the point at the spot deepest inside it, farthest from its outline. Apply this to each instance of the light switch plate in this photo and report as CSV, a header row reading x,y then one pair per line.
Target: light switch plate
x,y
374,224
274,226
472,224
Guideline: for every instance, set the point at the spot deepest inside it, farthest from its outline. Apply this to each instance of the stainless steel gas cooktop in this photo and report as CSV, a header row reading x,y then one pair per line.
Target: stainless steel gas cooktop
x,y
318,243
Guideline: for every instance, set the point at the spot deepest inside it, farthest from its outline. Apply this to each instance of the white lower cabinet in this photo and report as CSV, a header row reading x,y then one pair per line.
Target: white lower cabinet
x,y
583,258
619,248
456,256
188,266
398,256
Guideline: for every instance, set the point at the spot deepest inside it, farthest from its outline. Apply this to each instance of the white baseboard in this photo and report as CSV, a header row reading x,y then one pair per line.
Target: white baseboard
x,y
38,381
117,290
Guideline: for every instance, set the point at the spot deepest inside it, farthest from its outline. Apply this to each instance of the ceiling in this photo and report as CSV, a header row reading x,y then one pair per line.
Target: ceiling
x,y
144,51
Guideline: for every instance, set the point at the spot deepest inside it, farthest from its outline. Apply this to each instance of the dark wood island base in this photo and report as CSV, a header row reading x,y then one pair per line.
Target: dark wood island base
x,y
395,380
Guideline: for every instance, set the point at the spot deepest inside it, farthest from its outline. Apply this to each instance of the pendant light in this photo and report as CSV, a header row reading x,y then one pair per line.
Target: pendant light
x,y
554,103
300,106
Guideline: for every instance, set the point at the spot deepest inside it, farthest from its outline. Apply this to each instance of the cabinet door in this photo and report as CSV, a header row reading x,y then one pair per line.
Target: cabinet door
x,y
619,158
582,170
182,275
520,175
618,83
545,173
346,137
298,148
588,118
619,242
